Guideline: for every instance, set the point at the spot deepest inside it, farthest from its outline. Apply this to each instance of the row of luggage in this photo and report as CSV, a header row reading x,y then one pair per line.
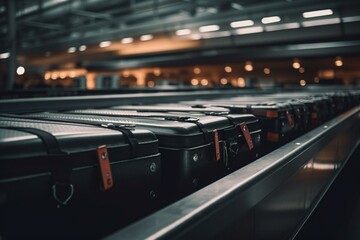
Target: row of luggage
x,y
87,172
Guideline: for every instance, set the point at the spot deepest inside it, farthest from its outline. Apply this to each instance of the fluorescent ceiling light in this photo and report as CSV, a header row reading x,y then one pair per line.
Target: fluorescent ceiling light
x,y
351,19
249,30
272,19
282,27
209,28
195,37
4,55
71,50
127,40
146,37
237,6
182,32
321,22
104,44
318,13
243,23
82,48
20,70
216,34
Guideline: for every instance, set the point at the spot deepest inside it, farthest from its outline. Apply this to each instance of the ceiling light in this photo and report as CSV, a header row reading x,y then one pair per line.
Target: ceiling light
x,y
197,70
267,71
54,75
301,70
195,37
243,23
104,44
20,70
4,55
151,83
71,50
146,37
204,82
248,66
182,32
62,75
127,40
216,34
318,13
82,48
296,63
282,27
157,72
228,69
272,19
237,6
209,28
302,82
241,82
249,30
194,82
338,62
321,22
47,76
223,81
351,19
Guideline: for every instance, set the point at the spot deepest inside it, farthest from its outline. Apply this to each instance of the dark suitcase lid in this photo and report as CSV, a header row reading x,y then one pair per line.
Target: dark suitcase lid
x,y
173,108
171,130
241,104
18,146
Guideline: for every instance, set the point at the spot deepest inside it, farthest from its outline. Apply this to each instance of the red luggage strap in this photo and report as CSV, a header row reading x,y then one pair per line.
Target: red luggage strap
x,y
245,131
105,168
217,145
290,119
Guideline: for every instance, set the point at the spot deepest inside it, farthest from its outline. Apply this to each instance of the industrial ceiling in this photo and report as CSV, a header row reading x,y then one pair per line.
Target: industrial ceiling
x,y
133,33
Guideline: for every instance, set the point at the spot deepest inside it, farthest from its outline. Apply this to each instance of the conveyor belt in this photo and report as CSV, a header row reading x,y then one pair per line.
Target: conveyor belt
x,y
270,198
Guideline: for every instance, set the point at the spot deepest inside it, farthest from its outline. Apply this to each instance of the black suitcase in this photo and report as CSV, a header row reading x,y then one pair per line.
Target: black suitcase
x,y
300,112
60,180
196,150
320,107
276,119
253,124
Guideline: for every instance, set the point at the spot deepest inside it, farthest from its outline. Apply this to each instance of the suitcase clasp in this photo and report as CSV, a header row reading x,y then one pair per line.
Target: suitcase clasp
x,y
66,199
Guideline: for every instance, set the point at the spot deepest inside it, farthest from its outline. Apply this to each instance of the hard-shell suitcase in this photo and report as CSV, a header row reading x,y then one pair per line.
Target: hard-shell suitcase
x,y
276,119
253,124
196,150
60,180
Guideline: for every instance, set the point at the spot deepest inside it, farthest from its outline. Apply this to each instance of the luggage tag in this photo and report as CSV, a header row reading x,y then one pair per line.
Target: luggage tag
x,y
105,168
290,119
245,131
217,145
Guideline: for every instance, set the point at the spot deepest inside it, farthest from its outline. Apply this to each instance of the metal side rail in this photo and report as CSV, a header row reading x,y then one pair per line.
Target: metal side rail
x,y
24,105
270,198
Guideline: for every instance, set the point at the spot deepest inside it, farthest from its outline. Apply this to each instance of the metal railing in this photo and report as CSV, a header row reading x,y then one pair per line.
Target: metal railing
x,y
270,198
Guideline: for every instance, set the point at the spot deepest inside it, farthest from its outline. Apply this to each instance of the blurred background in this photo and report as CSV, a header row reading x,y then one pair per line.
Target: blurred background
x,y
175,44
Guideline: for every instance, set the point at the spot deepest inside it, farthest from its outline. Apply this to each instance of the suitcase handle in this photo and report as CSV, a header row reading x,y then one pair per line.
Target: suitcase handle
x,y
170,117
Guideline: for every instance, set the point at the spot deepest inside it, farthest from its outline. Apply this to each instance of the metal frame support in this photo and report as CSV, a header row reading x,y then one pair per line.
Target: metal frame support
x,y
11,44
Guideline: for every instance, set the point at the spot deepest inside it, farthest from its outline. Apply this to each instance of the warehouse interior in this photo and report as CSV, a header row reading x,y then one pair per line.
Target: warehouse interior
x,y
58,56
166,43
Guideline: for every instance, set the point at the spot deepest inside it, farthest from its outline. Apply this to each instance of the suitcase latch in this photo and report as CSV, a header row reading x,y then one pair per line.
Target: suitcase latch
x,y
245,131
105,168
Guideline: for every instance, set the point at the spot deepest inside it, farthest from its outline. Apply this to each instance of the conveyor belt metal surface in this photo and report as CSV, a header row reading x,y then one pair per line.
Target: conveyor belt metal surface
x,y
270,198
